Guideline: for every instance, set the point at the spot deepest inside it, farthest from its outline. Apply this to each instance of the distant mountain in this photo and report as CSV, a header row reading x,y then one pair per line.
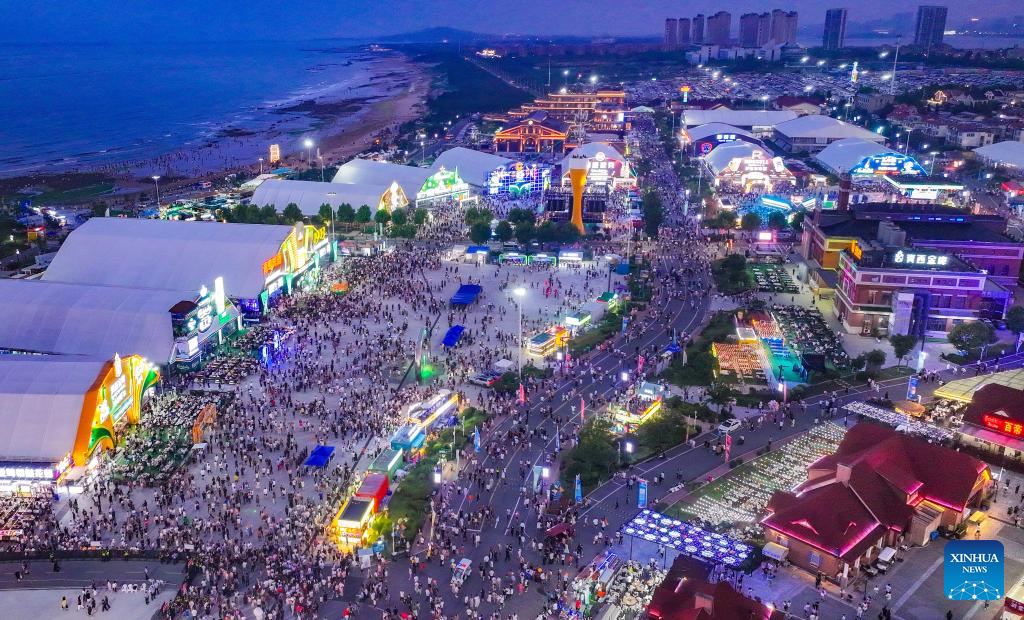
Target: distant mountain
x,y
438,35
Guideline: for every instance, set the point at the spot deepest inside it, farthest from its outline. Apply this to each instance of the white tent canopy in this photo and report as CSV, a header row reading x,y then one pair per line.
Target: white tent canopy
x,y
720,157
825,127
738,118
83,320
473,166
309,195
1007,153
168,255
41,401
370,173
842,155
714,129
591,150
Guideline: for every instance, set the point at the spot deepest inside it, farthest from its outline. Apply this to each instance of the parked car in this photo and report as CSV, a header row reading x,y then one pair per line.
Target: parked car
x,y
729,426
485,379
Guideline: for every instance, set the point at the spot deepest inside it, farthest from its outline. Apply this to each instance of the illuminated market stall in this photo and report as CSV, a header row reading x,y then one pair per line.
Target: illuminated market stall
x,y
637,404
258,262
548,341
518,179
350,525
59,411
746,167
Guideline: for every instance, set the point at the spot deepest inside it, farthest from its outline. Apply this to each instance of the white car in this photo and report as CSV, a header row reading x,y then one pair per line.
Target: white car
x,y
729,426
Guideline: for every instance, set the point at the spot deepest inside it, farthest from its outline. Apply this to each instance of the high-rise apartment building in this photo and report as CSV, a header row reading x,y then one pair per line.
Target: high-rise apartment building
x,y
719,28
697,30
683,32
749,23
835,29
671,40
764,28
931,24
783,27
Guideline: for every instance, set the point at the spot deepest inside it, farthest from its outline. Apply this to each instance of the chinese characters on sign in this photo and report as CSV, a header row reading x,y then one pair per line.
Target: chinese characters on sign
x,y
925,260
1002,425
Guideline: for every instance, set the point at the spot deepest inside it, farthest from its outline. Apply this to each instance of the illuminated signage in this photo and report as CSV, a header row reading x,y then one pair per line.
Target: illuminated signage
x,y
925,260
1003,425
272,264
275,153
889,163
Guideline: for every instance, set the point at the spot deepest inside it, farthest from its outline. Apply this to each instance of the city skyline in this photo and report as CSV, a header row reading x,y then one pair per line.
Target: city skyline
x,y
192,20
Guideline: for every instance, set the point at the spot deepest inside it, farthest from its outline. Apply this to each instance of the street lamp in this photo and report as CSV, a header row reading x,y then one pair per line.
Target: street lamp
x,y
261,165
520,292
308,143
156,179
764,102
931,165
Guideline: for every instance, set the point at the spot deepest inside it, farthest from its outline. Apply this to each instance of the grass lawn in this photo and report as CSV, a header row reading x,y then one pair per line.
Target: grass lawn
x,y
73,195
995,350
610,325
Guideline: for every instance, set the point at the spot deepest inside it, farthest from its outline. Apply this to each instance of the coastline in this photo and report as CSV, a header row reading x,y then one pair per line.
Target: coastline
x,y
343,119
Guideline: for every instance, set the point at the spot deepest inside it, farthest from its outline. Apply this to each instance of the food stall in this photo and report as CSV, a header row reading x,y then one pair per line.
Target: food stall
x,y
548,341
577,320
407,438
387,462
373,488
350,524
590,586
639,403
440,406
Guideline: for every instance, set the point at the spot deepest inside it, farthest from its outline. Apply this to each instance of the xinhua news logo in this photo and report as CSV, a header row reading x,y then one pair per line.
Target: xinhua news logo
x,y
973,570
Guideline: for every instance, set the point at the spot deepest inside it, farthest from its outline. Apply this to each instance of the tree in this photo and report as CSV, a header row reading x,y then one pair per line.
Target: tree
x,y
902,345
525,232
776,220
874,359
363,214
750,221
972,335
470,216
479,233
798,221
518,216
346,213
291,213
567,233
381,216
326,212
547,232
719,394
420,216
399,217
504,231
654,215
593,457
268,215
1015,319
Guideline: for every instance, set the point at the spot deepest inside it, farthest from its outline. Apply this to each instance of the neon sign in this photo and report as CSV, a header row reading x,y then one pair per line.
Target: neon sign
x,y
925,260
1003,425
889,163
272,264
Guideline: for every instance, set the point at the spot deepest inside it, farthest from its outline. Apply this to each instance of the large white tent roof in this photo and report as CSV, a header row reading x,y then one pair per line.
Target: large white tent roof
x,y
473,166
821,126
591,149
738,118
1006,153
309,195
83,320
842,155
167,255
713,129
720,156
41,402
381,174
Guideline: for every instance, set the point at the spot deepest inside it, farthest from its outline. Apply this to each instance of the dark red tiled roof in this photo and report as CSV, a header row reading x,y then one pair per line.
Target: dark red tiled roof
x,y
829,517
993,399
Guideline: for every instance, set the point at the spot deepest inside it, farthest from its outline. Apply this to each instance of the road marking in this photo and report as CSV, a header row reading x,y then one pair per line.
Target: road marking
x,y
917,584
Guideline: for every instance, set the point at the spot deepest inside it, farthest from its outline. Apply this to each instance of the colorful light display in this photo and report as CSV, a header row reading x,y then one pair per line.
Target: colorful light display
x,y
889,163
518,179
687,539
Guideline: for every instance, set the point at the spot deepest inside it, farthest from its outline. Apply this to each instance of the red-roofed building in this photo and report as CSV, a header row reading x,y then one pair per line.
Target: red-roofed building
x,y
685,594
880,488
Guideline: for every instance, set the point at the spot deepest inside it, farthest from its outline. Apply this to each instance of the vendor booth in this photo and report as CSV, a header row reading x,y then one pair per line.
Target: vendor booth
x,y
387,462
373,488
548,341
408,438
352,521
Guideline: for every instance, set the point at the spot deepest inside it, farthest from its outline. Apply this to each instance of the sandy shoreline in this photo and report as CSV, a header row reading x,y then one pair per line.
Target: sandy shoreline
x,y
342,124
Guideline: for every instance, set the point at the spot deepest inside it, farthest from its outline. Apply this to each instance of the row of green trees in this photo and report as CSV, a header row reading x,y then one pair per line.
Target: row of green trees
x,y
345,214
521,225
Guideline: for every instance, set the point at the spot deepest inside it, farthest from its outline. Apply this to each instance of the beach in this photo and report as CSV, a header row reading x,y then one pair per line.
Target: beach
x,y
351,97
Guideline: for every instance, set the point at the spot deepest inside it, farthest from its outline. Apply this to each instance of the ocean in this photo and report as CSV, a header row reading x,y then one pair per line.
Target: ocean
x,y
89,106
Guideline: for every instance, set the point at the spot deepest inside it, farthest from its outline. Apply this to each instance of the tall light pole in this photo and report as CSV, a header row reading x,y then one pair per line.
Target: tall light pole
x,y
519,293
309,152
931,165
321,159
896,56
261,165
156,179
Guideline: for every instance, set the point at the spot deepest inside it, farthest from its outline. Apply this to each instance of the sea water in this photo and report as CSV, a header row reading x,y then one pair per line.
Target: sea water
x,y
83,106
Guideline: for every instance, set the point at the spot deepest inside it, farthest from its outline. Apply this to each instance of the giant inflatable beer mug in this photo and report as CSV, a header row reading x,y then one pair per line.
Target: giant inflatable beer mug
x,y
578,165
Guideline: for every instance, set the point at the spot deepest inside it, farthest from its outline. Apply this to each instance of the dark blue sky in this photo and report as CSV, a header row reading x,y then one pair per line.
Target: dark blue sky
x,y
160,20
